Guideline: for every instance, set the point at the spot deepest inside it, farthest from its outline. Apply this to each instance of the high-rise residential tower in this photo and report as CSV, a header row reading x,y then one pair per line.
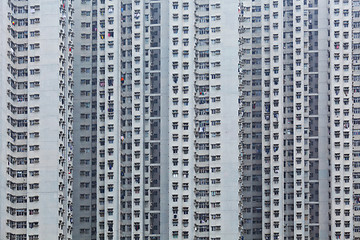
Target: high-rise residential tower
x,y
36,79
158,133
202,119
97,120
301,94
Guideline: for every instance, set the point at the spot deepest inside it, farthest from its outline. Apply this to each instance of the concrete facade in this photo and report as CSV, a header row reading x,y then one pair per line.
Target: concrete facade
x,y
36,120
300,118
177,88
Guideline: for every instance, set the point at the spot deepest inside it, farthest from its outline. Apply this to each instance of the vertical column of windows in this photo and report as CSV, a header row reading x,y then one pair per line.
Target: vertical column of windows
x,y
66,117
140,118
127,112
180,99
273,104
310,137
355,57
267,136
203,123
340,117
153,90
299,161
86,126
250,70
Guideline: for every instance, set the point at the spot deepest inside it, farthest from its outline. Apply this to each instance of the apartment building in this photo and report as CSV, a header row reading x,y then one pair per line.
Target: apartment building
x,y
158,133
36,119
300,119
202,119
205,132
96,125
